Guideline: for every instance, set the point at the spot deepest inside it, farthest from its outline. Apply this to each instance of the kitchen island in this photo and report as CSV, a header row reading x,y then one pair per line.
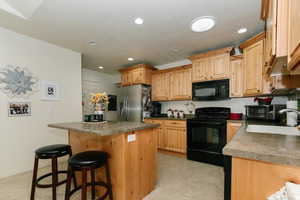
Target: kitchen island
x,y
258,165
132,147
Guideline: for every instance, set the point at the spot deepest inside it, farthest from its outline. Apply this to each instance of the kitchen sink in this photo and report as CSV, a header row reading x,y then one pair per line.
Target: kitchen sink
x,y
275,130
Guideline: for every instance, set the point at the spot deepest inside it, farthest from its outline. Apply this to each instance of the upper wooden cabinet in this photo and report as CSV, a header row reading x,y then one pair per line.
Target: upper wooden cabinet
x,y
212,65
276,32
181,83
282,35
138,74
160,86
294,35
253,67
236,77
172,84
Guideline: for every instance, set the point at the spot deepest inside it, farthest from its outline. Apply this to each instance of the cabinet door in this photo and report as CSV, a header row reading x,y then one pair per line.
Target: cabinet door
x,y
160,86
181,85
175,139
200,69
137,76
271,27
125,79
232,128
253,73
294,34
237,78
160,133
220,66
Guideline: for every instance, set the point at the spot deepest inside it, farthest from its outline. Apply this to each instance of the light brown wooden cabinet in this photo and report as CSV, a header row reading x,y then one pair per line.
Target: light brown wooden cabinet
x,y
212,65
171,135
220,66
138,74
181,84
160,86
236,77
253,69
172,84
201,69
232,128
258,180
294,35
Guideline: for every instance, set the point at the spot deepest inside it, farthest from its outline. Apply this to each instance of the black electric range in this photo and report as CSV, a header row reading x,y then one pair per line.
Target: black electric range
x,y
206,135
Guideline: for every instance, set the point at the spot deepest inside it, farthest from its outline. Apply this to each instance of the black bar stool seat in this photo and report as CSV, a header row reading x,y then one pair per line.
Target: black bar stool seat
x,y
84,162
52,152
55,150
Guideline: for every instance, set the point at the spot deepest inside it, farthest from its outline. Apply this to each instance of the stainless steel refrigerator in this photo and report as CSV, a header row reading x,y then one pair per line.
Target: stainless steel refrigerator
x,y
135,102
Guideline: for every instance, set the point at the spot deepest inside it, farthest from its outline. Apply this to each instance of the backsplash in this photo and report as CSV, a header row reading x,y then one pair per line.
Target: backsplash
x,y
236,104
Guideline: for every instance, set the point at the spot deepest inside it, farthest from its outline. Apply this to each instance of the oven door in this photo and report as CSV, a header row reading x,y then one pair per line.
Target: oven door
x,y
206,135
211,90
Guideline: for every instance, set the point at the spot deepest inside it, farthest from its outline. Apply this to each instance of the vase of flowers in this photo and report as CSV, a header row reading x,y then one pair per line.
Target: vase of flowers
x,y
100,102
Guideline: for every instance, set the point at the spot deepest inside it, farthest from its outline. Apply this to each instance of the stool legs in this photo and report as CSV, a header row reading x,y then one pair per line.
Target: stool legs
x,y
34,177
107,171
84,184
54,177
93,184
68,185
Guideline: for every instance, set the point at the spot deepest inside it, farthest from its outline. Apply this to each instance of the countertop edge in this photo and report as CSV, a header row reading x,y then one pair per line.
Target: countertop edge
x,y
259,156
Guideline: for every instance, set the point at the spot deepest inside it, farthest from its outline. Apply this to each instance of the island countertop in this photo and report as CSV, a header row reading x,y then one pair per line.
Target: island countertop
x,y
277,149
104,129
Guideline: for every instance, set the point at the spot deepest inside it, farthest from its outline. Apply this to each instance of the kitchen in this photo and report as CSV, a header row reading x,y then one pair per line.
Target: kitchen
x,y
208,112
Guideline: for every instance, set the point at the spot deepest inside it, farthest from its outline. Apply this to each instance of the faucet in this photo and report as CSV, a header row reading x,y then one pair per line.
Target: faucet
x,y
290,121
289,110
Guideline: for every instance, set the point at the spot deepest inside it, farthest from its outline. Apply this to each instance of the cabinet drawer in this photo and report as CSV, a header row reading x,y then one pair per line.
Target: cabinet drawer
x,y
176,123
161,122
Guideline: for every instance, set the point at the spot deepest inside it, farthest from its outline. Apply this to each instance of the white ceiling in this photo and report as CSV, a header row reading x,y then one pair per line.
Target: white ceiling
x,y
72,23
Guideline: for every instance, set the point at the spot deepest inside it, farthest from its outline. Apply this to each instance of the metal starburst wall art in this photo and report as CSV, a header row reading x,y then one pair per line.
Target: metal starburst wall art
x,y
17,82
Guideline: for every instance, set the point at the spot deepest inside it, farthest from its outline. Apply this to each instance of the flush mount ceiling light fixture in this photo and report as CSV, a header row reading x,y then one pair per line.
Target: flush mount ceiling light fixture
x,y
242,30
139,21
100,67
130,59
92,43
202,24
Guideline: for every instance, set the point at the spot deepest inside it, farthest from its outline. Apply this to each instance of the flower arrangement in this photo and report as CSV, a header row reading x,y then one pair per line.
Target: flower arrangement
x,y
99,98
100,101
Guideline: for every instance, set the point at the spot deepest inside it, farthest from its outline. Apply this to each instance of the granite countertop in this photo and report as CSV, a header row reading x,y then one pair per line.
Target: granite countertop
x,y
277,149
104,129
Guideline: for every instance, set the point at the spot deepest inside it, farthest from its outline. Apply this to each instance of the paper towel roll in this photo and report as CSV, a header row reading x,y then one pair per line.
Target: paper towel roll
x,y
291,117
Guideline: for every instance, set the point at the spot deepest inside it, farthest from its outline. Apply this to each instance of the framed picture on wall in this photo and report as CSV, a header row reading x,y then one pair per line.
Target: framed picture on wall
x,y
50,91
16,109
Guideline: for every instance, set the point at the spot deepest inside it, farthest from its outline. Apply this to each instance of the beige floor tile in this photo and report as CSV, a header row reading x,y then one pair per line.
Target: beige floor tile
x,y
179,179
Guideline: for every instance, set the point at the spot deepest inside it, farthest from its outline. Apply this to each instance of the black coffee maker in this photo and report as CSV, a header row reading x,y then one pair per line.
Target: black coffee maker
x,y
155,109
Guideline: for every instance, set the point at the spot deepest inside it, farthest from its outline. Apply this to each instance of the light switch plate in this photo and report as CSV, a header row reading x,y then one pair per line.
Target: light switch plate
x,y
131,138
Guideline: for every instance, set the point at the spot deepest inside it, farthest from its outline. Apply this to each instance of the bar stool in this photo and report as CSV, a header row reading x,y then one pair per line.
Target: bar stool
x,y
50,152
84,162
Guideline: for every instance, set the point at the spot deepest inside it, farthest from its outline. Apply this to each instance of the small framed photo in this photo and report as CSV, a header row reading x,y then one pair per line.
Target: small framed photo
x,y
50,91
16,109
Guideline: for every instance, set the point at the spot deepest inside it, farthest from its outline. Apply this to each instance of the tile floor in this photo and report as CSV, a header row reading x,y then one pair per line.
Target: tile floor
x,y
179,179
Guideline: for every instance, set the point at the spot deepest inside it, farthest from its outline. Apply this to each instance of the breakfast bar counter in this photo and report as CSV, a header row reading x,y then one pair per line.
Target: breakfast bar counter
x,y
132,147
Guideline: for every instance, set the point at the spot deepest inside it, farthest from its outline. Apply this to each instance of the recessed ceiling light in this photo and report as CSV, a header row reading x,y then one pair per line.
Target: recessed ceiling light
x,y
202,24
100,67
130,59
242,30
92,43
139,21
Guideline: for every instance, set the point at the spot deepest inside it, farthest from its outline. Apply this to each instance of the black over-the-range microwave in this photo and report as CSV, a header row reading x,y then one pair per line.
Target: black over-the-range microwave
x,y
211,90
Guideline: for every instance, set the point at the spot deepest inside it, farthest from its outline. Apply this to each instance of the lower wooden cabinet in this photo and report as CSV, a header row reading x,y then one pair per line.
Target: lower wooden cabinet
x,y
171,135
257,180
232,128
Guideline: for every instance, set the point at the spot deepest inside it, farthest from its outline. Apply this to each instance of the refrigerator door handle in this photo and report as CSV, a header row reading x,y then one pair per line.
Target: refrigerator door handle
x,y
127,109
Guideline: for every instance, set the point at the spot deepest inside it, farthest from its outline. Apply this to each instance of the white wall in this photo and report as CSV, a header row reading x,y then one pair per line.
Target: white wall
x,y
236,104
20,136
93,82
